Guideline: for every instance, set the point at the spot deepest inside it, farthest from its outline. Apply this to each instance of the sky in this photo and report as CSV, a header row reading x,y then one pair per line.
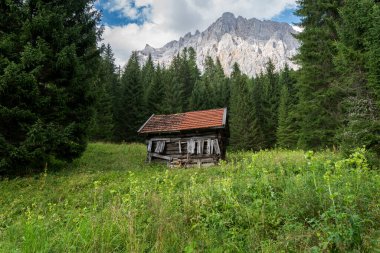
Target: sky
x,y
131,24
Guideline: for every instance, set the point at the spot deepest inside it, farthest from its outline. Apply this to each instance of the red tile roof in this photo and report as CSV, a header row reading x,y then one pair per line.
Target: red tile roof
x,y
215,118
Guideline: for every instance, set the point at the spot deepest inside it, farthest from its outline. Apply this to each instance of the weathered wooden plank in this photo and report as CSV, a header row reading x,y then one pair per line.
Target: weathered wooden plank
x,y
184,156
184,138
160,139
162,156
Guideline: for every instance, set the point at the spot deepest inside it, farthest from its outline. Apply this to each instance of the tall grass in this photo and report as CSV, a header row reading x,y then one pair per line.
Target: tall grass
x,y
271,201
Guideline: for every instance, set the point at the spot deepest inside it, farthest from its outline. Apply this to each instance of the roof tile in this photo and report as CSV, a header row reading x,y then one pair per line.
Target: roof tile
x,y
184,121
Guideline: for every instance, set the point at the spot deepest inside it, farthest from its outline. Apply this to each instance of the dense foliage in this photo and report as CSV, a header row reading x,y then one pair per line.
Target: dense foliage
x,y
270,201
50,76
333,101
339,76
48,59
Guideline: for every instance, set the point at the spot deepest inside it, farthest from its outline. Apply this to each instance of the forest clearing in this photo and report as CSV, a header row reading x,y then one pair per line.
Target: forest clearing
x,y
78,98
110,200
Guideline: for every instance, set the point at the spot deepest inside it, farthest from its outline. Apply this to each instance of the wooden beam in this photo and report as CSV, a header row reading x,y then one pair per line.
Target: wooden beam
x,y
162,156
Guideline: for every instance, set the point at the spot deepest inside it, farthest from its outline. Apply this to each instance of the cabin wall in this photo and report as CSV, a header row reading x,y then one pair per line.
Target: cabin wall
x,y
176,154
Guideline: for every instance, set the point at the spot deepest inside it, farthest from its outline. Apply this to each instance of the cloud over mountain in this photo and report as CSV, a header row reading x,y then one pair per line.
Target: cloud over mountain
x,y
156,22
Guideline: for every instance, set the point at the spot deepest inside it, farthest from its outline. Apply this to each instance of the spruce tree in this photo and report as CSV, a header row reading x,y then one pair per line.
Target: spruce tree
x,y
318,102
271,103
129,115
354,61
244,126
199,99
174,100
221,86
193,75
102,126
48,63
258,101
287,130
147,77
156,92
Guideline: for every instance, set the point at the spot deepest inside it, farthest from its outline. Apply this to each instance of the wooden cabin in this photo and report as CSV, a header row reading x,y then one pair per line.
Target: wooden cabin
x,y
197,138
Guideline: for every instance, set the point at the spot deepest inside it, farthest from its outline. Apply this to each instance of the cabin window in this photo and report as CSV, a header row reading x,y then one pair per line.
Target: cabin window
x,y
160,146
212,147
191,146
197,146
200,145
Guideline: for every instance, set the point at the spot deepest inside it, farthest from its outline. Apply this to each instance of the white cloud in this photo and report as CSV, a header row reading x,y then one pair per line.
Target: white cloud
x,y
298,28
167,20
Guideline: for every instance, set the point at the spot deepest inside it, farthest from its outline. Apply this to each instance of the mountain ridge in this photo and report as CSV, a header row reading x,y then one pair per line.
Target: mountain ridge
x,y
249,42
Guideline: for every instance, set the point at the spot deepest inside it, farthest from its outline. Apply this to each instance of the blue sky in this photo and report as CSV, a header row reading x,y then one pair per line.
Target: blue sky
x,y
287,16
131,24
116,18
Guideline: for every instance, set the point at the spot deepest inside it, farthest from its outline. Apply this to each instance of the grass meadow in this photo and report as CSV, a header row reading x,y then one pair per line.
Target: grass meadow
x,y
110,200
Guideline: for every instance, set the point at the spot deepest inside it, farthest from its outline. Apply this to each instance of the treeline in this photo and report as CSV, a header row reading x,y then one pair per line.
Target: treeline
x,y
127,99
260,108
58,89
331,102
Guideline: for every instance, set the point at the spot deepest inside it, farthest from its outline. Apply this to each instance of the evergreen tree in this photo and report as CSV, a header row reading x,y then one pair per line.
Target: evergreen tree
x,y
271,103
174,101
287,130
48,62
204,95
147,76
199,99
221,86
102,125
354,62
183,75
155,93
318,99
193,75
244,126
212,90
129,115
258,101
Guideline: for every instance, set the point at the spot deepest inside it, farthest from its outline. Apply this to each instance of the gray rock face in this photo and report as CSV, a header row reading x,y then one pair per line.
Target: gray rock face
x,y
249,42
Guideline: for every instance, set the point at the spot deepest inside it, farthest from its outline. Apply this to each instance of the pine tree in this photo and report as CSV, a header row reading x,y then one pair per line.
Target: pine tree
x,y
318,99
174,101
244,126
205,91
271,103
198,99
258,101
129,115
155,93
48,58
183,75
212,90
354,63
221,86
193,75
287,130
147,77
373,47
102,125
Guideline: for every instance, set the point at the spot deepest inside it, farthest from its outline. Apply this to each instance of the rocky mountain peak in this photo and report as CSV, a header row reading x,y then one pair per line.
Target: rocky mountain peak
x,y
249,42
227,15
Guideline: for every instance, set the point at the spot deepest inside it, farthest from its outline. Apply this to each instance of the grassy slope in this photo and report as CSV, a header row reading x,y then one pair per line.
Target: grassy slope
x,y
111,201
